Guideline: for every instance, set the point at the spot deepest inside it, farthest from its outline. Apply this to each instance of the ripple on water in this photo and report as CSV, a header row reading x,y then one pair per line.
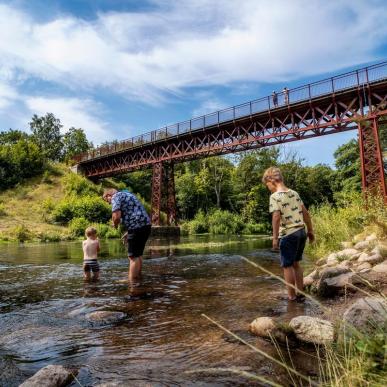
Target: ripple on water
x,y
45,307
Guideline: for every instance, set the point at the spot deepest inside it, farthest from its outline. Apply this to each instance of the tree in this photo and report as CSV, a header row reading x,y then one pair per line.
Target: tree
x,y
347,161
12,136
216,175
74,142
46,134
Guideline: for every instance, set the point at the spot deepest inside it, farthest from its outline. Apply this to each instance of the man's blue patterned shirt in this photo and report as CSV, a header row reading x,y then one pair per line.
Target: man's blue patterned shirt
x,y
133,213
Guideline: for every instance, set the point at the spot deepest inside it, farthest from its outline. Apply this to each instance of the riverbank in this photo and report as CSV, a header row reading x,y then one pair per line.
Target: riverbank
x,y
348,325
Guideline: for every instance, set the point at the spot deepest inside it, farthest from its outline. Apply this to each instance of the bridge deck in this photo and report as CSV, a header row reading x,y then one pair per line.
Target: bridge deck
x,y
298,99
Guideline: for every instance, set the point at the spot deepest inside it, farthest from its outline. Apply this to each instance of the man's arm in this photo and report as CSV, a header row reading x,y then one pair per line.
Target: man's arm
x,y
116,218
308,222
276,219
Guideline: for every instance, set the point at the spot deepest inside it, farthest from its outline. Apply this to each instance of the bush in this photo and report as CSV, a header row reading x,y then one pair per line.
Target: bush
x,y
225,222
46,178
113,233
255,228
2,210
333,225
199,224
92,208
77,226
78,185
21,233
49,237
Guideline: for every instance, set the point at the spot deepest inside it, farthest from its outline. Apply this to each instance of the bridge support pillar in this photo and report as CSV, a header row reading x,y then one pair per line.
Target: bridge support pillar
x,y
171,198
157,180
161,170
372,169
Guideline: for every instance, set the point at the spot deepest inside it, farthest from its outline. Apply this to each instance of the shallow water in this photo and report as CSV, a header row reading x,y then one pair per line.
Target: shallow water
x,y
44,302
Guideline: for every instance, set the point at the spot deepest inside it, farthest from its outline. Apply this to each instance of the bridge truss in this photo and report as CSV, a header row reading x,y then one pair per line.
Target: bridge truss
x,y
356,100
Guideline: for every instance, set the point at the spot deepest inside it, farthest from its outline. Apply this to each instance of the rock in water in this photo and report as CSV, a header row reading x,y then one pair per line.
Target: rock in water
x,y
51,376
105,317
263,326
312,330
365,315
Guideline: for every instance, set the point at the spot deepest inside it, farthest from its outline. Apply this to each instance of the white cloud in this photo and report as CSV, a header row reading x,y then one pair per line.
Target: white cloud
x,y
147,56
73,112
209,106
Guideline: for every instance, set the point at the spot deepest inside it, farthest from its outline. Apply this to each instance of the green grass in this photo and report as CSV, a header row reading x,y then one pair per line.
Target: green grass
x,y
333,225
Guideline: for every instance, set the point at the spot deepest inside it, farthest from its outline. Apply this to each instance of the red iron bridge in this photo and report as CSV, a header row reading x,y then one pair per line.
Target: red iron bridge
x,y
354,100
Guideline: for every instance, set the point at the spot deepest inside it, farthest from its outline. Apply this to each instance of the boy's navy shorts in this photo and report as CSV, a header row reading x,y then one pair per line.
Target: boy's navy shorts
x,y
136,241
291,247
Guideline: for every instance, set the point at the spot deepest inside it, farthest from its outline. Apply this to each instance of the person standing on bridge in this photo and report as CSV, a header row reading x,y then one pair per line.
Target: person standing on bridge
x,y
126,208
275,98
289,217
286,95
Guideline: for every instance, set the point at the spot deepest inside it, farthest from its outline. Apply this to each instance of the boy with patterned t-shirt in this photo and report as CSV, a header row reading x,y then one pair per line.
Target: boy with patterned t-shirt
x,y
289,219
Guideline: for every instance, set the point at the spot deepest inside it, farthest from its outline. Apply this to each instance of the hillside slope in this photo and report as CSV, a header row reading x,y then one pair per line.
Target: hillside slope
x,y
23,208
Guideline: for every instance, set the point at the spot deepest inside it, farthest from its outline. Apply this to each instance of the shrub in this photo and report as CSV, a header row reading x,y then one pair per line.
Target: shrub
x,y
255,228
21,233
92,208
199,224
2,210
113,233
78,226
46,178
78,185
49,237
225,222
333,225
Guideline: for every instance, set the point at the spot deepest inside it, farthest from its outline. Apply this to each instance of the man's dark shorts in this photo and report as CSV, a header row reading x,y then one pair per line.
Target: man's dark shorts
x,y
291,247
136,241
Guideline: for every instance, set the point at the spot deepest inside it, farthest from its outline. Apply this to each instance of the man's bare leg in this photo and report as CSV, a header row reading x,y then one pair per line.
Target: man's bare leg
x,y
290,278
135,268
96,276
86,275
299,275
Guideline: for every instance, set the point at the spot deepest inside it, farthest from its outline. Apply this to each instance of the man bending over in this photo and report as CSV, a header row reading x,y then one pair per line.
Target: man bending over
x,y
128,209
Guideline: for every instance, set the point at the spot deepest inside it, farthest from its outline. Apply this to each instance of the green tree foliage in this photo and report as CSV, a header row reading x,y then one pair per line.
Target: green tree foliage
x,y
12,136
74,142
347,160
46,134
18,161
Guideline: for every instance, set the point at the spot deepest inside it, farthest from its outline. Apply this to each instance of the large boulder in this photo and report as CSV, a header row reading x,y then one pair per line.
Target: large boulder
x,y
347,253
263,326
312,330
267,328
363,245
365,315
51,376
332,280
372,259
105,317
381,268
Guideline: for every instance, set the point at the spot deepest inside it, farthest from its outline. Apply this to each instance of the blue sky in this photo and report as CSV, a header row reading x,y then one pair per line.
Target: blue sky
x,y
121,68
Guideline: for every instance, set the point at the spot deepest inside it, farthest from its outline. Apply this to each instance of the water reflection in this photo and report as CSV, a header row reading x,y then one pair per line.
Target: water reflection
x,y
44,304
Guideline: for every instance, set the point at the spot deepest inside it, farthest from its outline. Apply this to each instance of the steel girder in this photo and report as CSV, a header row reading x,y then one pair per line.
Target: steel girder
x,y
321,116
157,178
372,168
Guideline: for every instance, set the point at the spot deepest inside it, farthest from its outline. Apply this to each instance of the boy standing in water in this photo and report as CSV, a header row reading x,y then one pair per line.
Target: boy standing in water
x,y
90,251
289,217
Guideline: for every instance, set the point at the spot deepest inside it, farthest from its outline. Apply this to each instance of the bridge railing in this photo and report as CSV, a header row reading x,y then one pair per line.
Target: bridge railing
x,y
356,78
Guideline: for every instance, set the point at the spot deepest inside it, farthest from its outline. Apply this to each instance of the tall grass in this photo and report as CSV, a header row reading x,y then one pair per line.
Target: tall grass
x,y
354,361
335,224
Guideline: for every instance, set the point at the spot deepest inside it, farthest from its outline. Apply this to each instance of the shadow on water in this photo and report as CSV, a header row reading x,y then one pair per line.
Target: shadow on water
x,y
44,308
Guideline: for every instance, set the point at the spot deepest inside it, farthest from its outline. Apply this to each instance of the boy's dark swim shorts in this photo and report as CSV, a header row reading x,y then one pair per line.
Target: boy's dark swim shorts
x,y
291,247
91,265
136,241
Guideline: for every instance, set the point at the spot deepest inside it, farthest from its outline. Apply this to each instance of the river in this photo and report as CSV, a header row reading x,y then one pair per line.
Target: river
x,y
44,304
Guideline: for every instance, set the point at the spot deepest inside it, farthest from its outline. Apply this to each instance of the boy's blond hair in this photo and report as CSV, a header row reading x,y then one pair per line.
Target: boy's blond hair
x,y
90,231
272,174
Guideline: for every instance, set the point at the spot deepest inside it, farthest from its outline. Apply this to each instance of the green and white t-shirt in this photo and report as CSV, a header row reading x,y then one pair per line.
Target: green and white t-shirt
x,y
289,204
